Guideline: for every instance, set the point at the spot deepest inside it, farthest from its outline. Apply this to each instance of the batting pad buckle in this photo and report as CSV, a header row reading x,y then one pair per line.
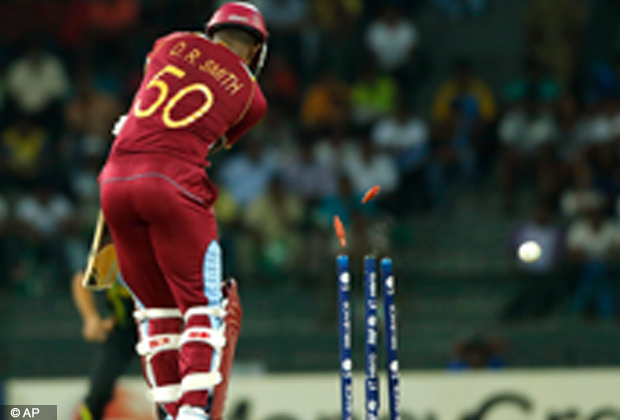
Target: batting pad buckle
x,y
158,343
215,311
165,393
214,338
200,381
156,313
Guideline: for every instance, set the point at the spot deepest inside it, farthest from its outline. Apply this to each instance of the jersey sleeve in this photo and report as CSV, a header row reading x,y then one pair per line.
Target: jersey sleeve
x,y
252,115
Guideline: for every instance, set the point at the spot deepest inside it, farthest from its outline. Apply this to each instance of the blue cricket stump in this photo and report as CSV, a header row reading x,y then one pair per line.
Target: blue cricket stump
x,y
389,306
372,378
345,343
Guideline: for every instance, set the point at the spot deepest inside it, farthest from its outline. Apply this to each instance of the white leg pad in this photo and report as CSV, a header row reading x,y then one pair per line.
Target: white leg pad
x,y
165,393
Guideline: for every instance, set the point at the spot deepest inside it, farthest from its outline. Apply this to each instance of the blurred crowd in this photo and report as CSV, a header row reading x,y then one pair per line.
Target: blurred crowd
x,y
343,81
560,135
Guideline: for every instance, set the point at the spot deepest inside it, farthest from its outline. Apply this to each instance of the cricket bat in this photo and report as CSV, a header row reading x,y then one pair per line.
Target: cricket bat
x,y
102,266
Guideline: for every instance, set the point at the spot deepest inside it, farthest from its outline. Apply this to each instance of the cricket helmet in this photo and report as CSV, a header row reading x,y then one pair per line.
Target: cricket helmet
x,y
239,14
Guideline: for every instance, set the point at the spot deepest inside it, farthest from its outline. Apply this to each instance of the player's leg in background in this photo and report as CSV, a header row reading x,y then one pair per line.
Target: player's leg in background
x,y
115,354
159,320
185,242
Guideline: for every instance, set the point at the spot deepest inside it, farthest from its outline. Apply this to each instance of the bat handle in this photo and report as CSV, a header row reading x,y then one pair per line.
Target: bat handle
x,y
89,281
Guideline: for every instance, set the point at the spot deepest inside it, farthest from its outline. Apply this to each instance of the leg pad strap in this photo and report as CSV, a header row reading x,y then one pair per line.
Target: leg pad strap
x,y
156,313
158,343
200,381
214,338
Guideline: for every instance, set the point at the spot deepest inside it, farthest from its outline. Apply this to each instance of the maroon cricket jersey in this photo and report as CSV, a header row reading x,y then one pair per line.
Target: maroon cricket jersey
x,y
194,93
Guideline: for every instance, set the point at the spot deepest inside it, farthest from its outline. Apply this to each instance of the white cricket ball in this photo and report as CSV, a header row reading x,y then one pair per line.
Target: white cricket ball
x,y
529,251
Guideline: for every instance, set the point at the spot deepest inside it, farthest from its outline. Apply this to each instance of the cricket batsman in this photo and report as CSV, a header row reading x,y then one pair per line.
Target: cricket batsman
x,y
199,93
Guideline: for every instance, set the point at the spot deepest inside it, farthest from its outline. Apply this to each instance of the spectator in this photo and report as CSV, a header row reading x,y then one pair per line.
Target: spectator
x,y
581,195
332,39
286,20
554,34
602,82
284,16
344,203
392,39
43,220
312,180
599,146
247,175
273,220
89,117
337,17
84,185
280,83
463,83
527,134
593,242
308,177
326,104
44,213
36,83
597,125
477,354
335,147
463,110
534,83
456,140
405,136
25,153
541,280
278,131
370,167
91,111
568,128
372,96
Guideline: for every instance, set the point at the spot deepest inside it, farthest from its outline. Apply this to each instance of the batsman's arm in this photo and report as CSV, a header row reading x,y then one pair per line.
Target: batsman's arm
x,y
251,115
254,112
